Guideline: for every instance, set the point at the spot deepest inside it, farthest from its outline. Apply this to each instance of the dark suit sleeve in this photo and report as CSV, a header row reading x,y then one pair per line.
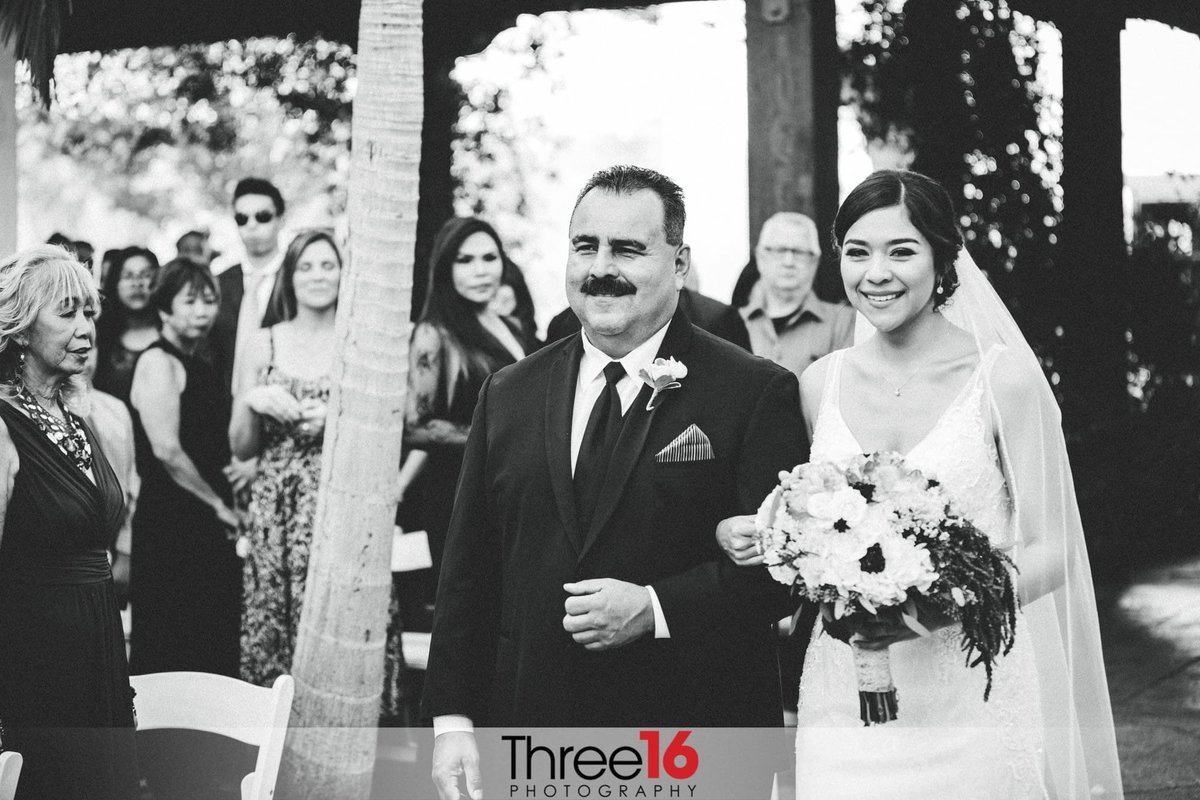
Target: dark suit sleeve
x,y
775,440
732,328
466,621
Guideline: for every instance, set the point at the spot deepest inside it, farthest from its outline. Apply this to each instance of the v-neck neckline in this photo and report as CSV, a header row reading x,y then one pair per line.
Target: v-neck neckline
x,y
94,479
836,402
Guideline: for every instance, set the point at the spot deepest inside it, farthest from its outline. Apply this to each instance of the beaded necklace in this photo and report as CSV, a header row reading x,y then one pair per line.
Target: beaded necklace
x,y
69,437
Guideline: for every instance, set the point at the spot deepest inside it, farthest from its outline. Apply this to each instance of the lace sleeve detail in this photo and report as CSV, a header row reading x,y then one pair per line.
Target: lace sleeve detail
x,y
424,416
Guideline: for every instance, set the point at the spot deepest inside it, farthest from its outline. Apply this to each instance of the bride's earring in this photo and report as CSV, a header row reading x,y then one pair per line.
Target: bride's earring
x,y
940,289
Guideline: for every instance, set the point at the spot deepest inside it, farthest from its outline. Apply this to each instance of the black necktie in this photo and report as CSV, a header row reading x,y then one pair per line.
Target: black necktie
x,y
599,437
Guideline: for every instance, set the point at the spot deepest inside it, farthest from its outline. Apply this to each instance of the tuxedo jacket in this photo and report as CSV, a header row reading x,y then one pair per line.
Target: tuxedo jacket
x,y
499,653
711,315
223,337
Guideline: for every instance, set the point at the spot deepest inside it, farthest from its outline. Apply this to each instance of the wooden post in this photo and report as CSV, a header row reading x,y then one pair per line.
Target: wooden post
x,y
1092,261
8,152
792,73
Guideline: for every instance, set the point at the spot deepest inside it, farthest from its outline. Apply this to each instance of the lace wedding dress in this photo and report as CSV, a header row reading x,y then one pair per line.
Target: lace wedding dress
x,y
947,741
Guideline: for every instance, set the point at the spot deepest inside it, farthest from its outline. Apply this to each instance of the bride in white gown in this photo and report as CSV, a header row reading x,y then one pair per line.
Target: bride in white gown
x,y
941,374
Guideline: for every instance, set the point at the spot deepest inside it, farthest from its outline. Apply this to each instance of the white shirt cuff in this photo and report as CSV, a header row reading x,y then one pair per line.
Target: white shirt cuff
x,y
452,723
661,631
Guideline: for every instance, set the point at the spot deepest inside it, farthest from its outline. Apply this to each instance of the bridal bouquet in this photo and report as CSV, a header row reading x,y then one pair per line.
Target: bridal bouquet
x,y
872,537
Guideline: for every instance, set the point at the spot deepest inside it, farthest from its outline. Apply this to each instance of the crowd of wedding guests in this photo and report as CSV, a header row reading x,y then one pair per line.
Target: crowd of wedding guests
x,y
208,400
192,465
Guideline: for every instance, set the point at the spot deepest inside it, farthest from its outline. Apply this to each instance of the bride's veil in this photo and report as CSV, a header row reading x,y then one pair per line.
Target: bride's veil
x,y
1060,618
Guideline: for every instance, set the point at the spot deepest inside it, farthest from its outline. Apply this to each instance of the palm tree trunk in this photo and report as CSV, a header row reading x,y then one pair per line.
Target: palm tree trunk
x,y
338,665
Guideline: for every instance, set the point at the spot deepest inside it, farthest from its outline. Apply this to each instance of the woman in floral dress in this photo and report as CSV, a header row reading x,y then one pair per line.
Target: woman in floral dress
x,y
281,421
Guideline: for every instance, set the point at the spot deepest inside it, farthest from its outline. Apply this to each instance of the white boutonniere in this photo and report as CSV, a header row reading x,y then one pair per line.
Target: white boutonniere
x,y
661,375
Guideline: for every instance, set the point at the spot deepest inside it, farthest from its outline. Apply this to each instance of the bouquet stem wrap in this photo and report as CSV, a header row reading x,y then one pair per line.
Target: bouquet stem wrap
x,y
876,693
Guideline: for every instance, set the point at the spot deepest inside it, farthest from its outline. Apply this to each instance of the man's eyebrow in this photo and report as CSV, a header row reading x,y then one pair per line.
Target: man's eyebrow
x,y
628,244
585,238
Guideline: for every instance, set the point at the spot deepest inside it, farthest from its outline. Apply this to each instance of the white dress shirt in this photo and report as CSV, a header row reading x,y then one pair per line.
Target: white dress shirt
x,y
591,383
588,387
257,285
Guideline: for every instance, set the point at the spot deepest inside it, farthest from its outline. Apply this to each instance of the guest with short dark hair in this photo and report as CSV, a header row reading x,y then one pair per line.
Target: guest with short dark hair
x,y
65,699
186,581
246,288
195,246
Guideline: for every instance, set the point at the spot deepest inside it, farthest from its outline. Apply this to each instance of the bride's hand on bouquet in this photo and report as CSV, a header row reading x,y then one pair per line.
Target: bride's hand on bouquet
x,y
739,539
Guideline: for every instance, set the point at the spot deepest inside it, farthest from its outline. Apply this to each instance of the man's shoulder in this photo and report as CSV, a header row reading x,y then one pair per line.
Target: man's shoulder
x,y
732,361
705,308
516,377
224,269
562,325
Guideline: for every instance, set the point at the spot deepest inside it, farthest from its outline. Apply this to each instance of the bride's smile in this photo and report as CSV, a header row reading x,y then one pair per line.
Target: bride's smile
x,y
888,268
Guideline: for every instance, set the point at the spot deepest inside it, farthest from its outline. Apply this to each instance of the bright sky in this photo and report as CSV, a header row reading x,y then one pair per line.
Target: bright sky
x,y
1160,99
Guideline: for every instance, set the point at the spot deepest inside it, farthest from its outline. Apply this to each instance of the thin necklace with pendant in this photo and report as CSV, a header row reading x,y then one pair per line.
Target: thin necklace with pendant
x,y
896,389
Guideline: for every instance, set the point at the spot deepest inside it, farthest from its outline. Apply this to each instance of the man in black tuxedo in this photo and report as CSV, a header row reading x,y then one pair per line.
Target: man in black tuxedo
x,y
582,584
247,289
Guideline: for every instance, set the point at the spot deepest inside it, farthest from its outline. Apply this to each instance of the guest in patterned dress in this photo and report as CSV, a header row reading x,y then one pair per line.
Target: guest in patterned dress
x,y
281,421
64,681
127,324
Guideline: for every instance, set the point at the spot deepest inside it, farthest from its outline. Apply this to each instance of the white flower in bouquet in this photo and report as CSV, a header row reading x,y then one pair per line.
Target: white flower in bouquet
x,y
846,506
875,536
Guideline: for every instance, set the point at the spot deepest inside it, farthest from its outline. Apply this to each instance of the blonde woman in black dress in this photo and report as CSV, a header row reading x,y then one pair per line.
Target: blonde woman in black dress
x,y
65,700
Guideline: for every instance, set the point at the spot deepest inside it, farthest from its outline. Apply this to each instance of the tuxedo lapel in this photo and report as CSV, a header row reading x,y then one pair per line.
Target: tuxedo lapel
x,y
634,432
560,402
231,292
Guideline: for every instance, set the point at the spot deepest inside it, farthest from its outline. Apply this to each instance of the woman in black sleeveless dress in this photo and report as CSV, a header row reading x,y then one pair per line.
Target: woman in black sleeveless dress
x,y
185,587
65,700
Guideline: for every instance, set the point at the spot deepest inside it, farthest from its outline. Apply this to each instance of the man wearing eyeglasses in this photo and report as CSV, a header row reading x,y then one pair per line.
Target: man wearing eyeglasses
x,y
787,322
246,288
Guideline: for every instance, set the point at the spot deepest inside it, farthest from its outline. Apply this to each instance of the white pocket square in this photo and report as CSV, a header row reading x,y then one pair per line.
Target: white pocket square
x,y
691,445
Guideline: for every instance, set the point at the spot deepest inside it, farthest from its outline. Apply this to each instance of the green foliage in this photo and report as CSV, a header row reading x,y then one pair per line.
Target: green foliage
x,y
166,131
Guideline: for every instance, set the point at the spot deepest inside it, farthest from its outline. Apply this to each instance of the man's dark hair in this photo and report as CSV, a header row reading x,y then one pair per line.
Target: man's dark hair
x,y
627,179
259,186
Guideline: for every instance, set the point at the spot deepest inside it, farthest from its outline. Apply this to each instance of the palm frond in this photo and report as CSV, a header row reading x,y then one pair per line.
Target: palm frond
x,y
32,29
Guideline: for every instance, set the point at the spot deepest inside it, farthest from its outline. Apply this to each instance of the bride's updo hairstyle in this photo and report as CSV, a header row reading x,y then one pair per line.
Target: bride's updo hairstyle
x,y
929,209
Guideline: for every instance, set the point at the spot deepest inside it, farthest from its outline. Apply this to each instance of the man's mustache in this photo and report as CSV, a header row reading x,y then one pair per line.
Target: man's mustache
x,y
607,286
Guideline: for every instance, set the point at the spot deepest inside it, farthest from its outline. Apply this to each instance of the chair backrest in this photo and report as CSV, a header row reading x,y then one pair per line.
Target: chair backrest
x,y
218,704
10,770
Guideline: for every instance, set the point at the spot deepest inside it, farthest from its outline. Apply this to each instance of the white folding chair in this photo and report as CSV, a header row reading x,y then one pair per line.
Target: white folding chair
x,y
226,706
10,770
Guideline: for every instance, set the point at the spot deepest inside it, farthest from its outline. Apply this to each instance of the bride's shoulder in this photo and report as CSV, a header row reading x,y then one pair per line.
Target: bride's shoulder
x,y
1012,377
813,376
